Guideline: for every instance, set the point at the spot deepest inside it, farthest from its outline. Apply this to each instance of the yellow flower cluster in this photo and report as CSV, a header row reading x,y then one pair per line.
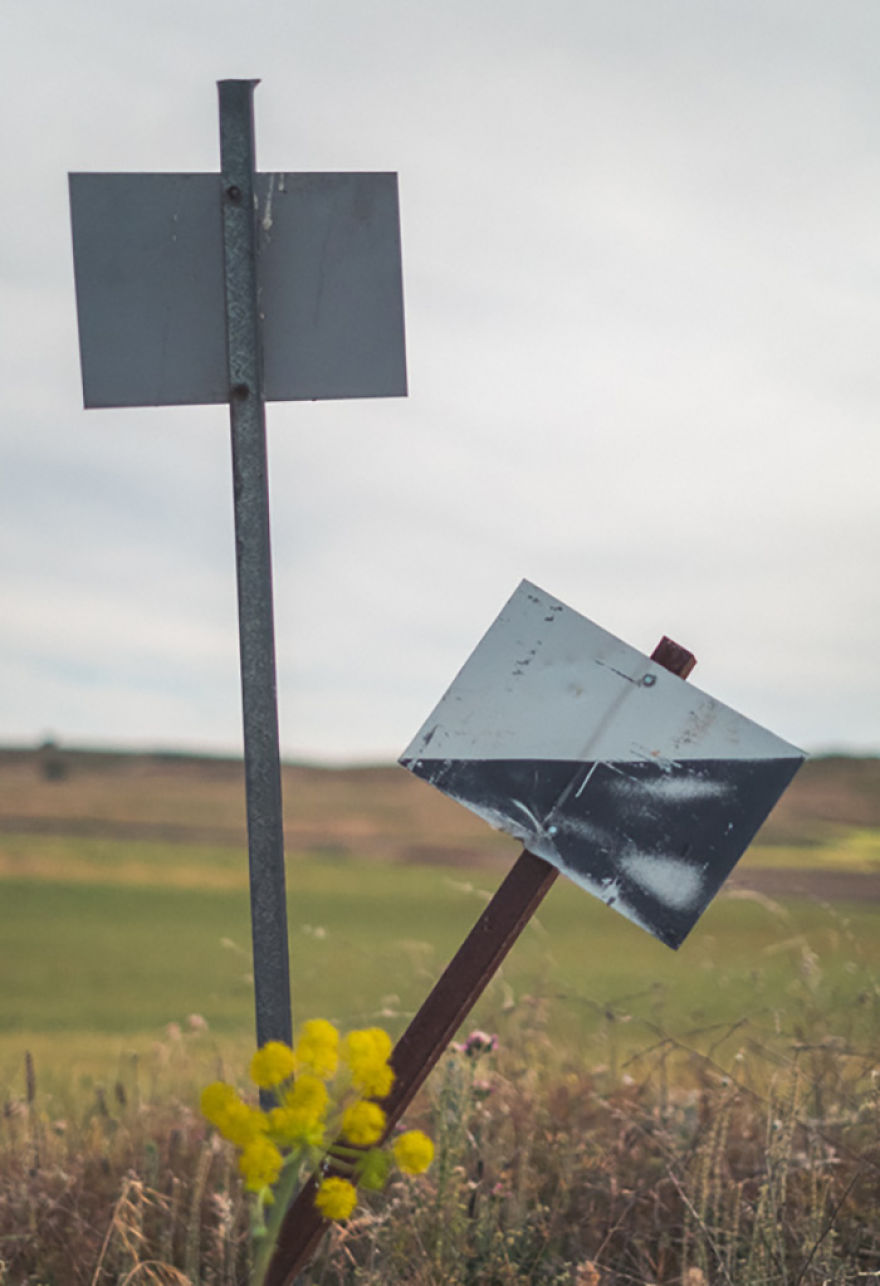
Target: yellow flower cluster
x,y
260,1164
363,1123
367,1053
336,1198
317,1050
413,1152
272,1065
307,1116
235,1120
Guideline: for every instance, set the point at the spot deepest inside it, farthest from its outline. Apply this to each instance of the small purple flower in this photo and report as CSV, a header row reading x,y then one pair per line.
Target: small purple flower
x,y
480,1042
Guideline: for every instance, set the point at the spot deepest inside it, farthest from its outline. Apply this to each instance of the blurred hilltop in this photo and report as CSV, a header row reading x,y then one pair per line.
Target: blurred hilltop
x,y
377,811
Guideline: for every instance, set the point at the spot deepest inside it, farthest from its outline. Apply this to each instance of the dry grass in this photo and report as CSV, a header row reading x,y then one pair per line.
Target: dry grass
x,y
679,1173
125,1194
665,1169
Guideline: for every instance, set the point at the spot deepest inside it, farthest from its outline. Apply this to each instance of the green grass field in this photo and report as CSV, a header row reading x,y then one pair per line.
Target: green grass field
x,y
124,908
98,966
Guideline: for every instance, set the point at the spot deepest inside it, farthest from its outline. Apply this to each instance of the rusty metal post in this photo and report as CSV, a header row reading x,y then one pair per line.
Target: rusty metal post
x,y
447,1006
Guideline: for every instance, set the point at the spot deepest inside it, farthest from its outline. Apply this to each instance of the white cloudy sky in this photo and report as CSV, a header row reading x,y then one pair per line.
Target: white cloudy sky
x,y
642,276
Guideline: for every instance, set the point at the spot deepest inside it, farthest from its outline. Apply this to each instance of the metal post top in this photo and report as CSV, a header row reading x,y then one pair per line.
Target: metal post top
x,y
252,84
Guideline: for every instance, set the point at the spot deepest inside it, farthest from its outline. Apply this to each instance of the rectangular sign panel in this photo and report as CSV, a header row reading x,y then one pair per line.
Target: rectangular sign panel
x,y
148,256
637,785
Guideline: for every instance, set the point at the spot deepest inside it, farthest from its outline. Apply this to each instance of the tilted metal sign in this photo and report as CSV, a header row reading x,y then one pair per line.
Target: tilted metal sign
x,y
637,785
148,255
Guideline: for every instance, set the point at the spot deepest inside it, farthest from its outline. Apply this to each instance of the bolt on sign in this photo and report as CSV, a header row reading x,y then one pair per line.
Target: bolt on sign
x,y
240,287
635,784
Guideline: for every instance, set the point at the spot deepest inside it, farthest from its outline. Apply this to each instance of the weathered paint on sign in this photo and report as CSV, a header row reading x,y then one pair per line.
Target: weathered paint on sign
x,y
148,258
640,787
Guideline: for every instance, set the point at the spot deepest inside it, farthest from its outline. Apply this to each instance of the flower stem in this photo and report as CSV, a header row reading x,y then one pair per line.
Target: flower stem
x,y
284,1190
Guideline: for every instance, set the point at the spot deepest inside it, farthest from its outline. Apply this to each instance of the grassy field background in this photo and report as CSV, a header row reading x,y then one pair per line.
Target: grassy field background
x,y
123,909
650,1117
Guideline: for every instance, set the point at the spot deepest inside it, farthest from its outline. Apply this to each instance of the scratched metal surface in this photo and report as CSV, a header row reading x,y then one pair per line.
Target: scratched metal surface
x,y
148,261
640,787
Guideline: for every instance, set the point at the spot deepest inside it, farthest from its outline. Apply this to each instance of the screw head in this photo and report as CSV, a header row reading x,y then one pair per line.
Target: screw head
x,y
233,192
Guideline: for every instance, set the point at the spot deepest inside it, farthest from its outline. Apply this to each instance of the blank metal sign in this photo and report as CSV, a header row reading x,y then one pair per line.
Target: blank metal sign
x,y
637,785
148,257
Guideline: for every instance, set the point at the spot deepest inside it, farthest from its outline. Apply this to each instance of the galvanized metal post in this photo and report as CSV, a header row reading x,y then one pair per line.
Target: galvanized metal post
x,y
253,565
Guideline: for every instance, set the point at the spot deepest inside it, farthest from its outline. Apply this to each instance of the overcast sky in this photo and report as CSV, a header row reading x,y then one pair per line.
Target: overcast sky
x,y
641,259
